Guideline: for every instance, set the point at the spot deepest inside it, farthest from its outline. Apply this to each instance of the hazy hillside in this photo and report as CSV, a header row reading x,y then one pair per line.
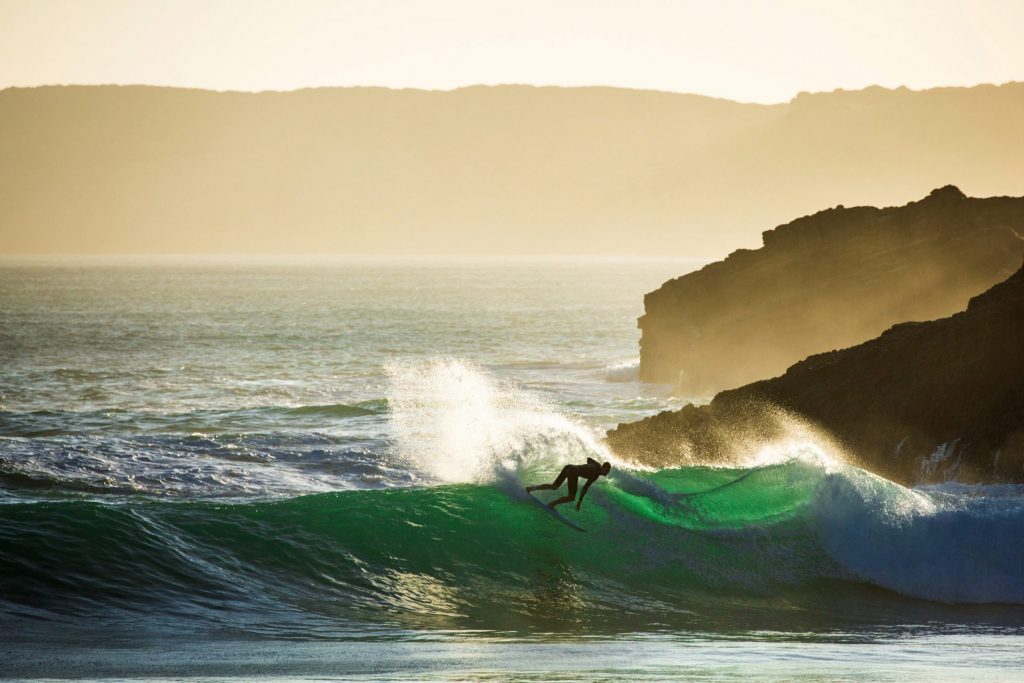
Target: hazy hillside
x,y
511,169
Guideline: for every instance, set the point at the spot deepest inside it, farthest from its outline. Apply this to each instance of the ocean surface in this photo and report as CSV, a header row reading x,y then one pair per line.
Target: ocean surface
x,y
311,468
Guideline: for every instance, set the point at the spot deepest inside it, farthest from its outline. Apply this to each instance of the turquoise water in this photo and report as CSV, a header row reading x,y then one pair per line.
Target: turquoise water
x,y
313,468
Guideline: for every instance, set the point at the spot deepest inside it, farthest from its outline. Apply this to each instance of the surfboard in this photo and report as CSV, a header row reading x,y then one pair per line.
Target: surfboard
x,y
554,513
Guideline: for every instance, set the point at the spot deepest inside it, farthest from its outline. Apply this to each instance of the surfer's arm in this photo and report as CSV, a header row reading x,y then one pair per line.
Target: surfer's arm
x,y
583,493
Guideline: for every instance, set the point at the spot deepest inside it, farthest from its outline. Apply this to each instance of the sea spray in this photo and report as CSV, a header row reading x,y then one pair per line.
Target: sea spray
x,y
453,421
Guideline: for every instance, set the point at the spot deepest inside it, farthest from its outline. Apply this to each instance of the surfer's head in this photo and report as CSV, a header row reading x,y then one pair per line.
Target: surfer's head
x,y
606,468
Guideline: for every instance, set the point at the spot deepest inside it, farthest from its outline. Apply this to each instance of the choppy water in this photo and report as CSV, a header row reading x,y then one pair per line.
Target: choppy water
x,y
327,458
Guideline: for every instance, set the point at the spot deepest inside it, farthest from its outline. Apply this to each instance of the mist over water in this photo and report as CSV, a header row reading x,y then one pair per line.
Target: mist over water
x,y
336,450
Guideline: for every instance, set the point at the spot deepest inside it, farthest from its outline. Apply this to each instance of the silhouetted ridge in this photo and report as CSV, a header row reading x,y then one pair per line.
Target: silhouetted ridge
x,y
479,170
946,194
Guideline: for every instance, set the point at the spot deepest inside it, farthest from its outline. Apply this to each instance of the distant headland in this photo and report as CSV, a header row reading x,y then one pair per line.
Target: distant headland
x,y
479,170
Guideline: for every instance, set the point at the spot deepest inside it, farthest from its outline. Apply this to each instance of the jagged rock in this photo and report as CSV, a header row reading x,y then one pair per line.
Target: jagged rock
x,y
925,401
829,280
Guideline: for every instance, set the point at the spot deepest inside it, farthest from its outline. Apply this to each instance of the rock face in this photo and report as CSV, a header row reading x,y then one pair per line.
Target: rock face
x,y
925,401
825,281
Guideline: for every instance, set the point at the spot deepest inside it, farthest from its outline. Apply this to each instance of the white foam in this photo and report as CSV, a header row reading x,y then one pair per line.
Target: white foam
x,y
456,423
939,546
624,371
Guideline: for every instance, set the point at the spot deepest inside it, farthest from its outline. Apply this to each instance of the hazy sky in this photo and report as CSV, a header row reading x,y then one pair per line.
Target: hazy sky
x,y
751,50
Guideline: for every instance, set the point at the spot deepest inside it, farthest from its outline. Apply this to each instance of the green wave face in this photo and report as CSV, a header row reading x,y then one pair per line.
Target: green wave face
x,y
692,547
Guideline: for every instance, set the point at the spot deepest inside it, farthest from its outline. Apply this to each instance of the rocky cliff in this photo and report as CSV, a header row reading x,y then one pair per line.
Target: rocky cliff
x,y
826,281
925,401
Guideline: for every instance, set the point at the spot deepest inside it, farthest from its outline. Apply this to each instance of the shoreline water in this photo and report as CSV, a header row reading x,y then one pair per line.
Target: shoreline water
x,y
929,658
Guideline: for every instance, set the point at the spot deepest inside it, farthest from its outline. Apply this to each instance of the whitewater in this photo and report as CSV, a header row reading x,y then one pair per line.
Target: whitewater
x,y
305,468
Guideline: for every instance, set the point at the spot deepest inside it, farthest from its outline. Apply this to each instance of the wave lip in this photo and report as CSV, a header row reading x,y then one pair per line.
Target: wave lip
x,y
926,544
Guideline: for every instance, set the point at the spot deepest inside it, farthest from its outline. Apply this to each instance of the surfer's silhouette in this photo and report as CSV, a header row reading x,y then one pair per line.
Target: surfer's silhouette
x,y
591,471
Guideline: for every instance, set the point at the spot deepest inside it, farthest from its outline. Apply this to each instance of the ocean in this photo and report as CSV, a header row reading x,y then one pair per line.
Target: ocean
x,y
306,468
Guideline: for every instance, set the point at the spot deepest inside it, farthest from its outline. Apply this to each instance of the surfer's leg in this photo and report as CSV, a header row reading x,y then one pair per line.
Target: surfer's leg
x,y
559,501
554,485
573,481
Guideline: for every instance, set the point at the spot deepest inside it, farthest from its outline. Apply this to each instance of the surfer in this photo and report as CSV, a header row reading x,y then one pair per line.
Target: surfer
x,y
591,471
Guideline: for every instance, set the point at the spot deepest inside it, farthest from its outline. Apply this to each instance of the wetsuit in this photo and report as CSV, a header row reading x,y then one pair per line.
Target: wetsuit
x,y
573,473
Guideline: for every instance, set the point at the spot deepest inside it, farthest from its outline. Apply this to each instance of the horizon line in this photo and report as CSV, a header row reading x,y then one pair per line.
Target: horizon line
x,y
342,256
534,86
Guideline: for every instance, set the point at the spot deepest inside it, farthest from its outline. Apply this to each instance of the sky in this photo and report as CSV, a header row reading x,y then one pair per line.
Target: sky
x,y
746,50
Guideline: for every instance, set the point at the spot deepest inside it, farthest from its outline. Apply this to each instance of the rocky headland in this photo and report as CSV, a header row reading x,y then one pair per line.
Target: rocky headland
x,y
825,281
925,401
